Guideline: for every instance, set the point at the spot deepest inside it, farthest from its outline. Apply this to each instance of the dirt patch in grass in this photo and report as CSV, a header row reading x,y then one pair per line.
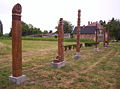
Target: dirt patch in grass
x,y
1,44
97,62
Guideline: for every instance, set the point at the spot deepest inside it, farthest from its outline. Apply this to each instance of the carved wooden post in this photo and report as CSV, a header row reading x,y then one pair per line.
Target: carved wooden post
x,y
104,38
60,40
17,76
59,61
77,56
108,37
96,38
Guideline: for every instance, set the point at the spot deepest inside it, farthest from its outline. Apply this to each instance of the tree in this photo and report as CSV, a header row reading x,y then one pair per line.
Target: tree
x,y
102,22
114,27
29,29
25,28
50,31
68,27
1,34
45,32
1,29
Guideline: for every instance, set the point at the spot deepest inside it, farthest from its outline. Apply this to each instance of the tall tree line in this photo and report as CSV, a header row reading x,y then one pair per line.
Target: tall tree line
x,y
29,29
114,27
1,29
67,27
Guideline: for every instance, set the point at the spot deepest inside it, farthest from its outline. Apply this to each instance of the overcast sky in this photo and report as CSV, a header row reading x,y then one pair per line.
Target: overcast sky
x,y
45,14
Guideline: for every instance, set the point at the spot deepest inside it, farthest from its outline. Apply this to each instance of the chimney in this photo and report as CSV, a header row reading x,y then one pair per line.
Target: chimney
x,y
83,26
88,22
96,22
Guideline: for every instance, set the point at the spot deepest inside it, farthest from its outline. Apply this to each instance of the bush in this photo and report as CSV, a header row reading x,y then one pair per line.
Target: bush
x,y
51,39
5,38
39,38
91,44
1,34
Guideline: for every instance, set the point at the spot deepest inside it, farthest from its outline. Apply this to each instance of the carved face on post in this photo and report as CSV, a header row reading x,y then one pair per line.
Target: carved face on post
x,y
16,12
17,9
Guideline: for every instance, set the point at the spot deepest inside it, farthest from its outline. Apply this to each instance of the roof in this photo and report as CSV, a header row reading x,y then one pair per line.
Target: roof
x,y
99,26
86,30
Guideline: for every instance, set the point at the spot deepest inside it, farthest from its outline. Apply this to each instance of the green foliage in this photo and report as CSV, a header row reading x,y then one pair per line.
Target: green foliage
x,y
5,38
39,38
68,27
1,34
89,44
51,39
114,27
55,39
45,32
1,29
28,29
50,31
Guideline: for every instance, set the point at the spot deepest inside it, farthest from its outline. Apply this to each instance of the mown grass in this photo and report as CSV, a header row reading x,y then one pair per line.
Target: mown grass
x,y
95,70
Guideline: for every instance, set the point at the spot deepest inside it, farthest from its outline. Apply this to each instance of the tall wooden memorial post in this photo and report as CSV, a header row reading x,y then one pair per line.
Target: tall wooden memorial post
x,y
16,76
59,61
77,56
96,38
106,38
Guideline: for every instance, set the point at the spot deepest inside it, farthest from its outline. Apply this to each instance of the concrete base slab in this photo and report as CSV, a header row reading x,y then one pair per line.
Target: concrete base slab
x,y
59,64
17,80
77,56
97,49
107,46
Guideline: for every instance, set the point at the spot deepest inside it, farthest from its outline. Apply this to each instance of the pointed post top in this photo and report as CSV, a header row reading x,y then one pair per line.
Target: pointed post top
x,y
79,10
79,14
17,9
61,21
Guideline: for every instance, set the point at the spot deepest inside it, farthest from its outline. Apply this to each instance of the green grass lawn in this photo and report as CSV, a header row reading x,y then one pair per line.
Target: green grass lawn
x,y
95,70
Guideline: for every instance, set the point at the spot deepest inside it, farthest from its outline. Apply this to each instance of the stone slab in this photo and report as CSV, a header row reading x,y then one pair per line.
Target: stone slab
x,y
107,45
97,49
59,64
17,80
77,56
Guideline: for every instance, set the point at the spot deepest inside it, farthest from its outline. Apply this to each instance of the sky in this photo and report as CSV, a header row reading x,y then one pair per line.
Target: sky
x,y
45,14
